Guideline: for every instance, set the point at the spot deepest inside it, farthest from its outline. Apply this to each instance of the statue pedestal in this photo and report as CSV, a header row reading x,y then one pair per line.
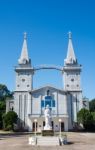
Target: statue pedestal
x,y
47,127
47,132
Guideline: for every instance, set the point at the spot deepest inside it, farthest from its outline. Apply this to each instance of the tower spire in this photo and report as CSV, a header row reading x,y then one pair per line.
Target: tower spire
x,y
71,58
24,58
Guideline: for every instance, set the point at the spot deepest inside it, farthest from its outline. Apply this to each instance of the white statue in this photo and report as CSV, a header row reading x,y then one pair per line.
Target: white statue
x,y
47,119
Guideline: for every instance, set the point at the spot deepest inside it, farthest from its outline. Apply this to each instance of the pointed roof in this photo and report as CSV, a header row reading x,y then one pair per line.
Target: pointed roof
x,y
71,58
48,87
24,53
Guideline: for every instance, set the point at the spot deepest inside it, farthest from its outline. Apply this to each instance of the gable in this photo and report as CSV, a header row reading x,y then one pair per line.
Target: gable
x,y
46,89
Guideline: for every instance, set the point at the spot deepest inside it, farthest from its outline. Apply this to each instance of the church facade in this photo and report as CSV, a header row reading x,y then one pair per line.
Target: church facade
x,y
30,103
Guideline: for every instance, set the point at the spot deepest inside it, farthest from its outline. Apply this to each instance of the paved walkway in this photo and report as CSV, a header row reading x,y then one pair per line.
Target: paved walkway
x,y
78,141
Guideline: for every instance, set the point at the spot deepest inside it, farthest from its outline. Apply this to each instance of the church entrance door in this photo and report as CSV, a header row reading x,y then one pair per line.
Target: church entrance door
x,y
62,126
34,126
52,124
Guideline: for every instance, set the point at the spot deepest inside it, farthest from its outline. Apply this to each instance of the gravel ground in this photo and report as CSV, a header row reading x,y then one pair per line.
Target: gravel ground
x,y
77,141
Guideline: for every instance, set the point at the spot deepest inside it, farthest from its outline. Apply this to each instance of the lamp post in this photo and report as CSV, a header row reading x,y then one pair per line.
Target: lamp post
x,y
35,120
60,120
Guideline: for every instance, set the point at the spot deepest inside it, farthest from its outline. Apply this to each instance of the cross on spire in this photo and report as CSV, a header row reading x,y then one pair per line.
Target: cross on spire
x,y
70,34
25,35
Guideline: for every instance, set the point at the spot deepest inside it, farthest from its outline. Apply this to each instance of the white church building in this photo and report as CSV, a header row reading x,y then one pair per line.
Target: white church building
x,y
30,103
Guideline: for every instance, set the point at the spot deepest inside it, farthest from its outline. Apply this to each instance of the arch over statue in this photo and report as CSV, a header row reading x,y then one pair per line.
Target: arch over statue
x,y
59,68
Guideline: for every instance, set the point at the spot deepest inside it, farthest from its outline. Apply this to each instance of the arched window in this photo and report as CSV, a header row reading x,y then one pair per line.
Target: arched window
x,y
48,92
48,101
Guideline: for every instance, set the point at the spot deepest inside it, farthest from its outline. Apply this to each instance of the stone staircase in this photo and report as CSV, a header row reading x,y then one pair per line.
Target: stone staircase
x,y
47,141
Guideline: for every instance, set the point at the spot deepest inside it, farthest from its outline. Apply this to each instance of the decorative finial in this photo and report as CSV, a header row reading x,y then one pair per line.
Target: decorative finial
x,y
25,35
70,35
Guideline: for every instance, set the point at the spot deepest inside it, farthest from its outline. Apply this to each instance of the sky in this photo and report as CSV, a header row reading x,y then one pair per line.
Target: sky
x,y
47,23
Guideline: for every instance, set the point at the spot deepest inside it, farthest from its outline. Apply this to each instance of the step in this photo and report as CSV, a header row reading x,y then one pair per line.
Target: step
x,y
47,141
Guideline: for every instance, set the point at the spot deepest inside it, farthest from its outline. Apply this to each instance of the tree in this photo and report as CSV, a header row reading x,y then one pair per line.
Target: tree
x,y
9,120
2,111
86,118
4,92
92,105
4,95
93,114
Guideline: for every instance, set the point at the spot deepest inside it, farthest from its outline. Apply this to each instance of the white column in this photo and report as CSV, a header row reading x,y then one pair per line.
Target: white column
x,y
65,104
75,113
56,102
74,107
66,112
29,122
60,120
66,124
29,104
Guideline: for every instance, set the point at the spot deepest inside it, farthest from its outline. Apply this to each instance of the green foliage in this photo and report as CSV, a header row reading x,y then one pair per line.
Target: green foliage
x,y
1,121
2,111
4,92
93,114
2,106
4,95
9,120
92,105
85,117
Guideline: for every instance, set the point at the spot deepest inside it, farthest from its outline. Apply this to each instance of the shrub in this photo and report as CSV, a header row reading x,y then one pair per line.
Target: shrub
x,y
9,119
86,118
92,105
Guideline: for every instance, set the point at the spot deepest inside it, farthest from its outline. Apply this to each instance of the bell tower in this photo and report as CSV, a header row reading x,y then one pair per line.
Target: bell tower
x,y
24,85
72,69
72,81
24,72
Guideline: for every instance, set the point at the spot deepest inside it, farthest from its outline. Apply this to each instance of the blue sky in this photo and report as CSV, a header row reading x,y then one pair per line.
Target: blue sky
x,y
47,23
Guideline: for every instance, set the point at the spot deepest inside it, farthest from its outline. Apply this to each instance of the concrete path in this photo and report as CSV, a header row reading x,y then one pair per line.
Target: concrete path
x,y
78,141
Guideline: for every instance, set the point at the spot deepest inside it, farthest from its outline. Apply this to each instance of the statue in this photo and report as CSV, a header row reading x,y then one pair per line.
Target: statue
x,y
47,119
